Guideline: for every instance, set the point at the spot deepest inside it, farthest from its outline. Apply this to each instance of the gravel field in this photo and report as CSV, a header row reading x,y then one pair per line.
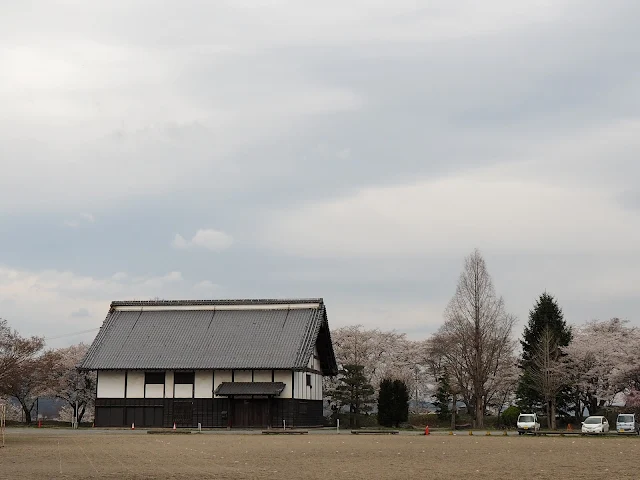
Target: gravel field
x,y
57,454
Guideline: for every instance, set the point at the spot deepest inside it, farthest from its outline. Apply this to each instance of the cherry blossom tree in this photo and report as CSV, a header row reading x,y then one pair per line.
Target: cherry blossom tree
x,y
382,354
30,379
602,362
71,385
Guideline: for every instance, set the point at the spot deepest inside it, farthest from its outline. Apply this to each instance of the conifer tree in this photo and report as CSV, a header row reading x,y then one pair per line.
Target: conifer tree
x,y
354,391
546,318
443,398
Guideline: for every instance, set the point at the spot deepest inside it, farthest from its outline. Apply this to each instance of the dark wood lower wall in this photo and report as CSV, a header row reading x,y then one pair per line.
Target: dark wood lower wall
x,y
209,412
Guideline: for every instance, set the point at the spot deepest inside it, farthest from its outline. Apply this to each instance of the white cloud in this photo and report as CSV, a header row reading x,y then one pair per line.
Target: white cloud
x,y
415,319
344,154
209,239
456,214
82,218
81,313
206,285
39,302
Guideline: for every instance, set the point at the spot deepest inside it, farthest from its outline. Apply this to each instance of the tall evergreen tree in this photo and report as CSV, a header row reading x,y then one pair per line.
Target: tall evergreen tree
x,y
354,391
546,317
443,398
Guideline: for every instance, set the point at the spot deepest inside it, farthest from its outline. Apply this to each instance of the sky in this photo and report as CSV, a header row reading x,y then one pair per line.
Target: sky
x,y
351,150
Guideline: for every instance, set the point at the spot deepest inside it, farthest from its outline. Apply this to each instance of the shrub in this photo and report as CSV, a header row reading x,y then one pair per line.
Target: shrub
x,y
510,416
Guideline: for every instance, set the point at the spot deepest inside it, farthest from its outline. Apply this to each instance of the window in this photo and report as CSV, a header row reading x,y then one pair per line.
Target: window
x,y
308,380
180,378
154,378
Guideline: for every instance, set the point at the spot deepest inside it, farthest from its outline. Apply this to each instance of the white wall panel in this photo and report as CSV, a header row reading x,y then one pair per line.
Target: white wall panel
x,y
262,375
154,390
242,375
285,377
317,387
110,384
183,390
220,376
300,389
135,384
204,383
168,382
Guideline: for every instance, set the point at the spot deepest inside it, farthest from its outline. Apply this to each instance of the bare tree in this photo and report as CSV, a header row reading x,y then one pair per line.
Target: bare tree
x,y
15,349
475,338
548,372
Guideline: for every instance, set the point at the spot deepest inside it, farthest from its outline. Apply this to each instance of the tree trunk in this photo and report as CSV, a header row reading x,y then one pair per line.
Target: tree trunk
x,y
479,412
81,412
27,412
547,406
553,414
453,412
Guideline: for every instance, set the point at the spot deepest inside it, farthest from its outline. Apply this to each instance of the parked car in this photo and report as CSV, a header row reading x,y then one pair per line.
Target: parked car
x,y
527,423
595,424
626,423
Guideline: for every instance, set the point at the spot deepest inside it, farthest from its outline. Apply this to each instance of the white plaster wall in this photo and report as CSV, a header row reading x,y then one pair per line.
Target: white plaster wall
x,y
262,375
168,385
154,390
135,384
316,381
242,375
204,383
183,390
285,377
220,376
301,391
110,384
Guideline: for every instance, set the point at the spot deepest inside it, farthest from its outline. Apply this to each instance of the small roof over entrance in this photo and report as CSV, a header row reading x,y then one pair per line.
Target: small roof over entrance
x,y
231,389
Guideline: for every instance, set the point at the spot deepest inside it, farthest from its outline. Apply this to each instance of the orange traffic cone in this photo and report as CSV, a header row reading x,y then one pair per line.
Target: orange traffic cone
x,y
174,425
133,426
426,430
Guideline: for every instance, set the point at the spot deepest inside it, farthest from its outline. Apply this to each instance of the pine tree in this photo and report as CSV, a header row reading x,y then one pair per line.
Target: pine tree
x,y
354,391
443,398
546,316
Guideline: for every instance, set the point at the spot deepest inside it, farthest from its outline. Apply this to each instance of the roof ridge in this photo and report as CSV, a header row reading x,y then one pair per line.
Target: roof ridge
x,y
246,301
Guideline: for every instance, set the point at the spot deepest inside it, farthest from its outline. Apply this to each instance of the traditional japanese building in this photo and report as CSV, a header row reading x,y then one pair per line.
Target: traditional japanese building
x,y
238,363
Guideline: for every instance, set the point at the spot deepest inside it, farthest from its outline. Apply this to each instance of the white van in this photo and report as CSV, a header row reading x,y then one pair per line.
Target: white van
x,y
626,423
527,423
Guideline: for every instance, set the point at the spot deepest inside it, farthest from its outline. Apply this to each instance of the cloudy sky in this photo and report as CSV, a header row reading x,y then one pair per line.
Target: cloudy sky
x,y
353,150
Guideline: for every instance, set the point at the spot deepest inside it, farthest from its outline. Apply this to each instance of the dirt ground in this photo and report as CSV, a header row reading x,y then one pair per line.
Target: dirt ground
x,y
78,454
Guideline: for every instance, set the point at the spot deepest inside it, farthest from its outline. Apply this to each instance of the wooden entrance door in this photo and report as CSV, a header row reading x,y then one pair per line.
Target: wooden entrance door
x,y
250,413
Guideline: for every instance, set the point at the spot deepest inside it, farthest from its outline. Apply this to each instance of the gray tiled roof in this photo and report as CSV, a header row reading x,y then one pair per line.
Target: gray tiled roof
x,y
243,337
249,388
